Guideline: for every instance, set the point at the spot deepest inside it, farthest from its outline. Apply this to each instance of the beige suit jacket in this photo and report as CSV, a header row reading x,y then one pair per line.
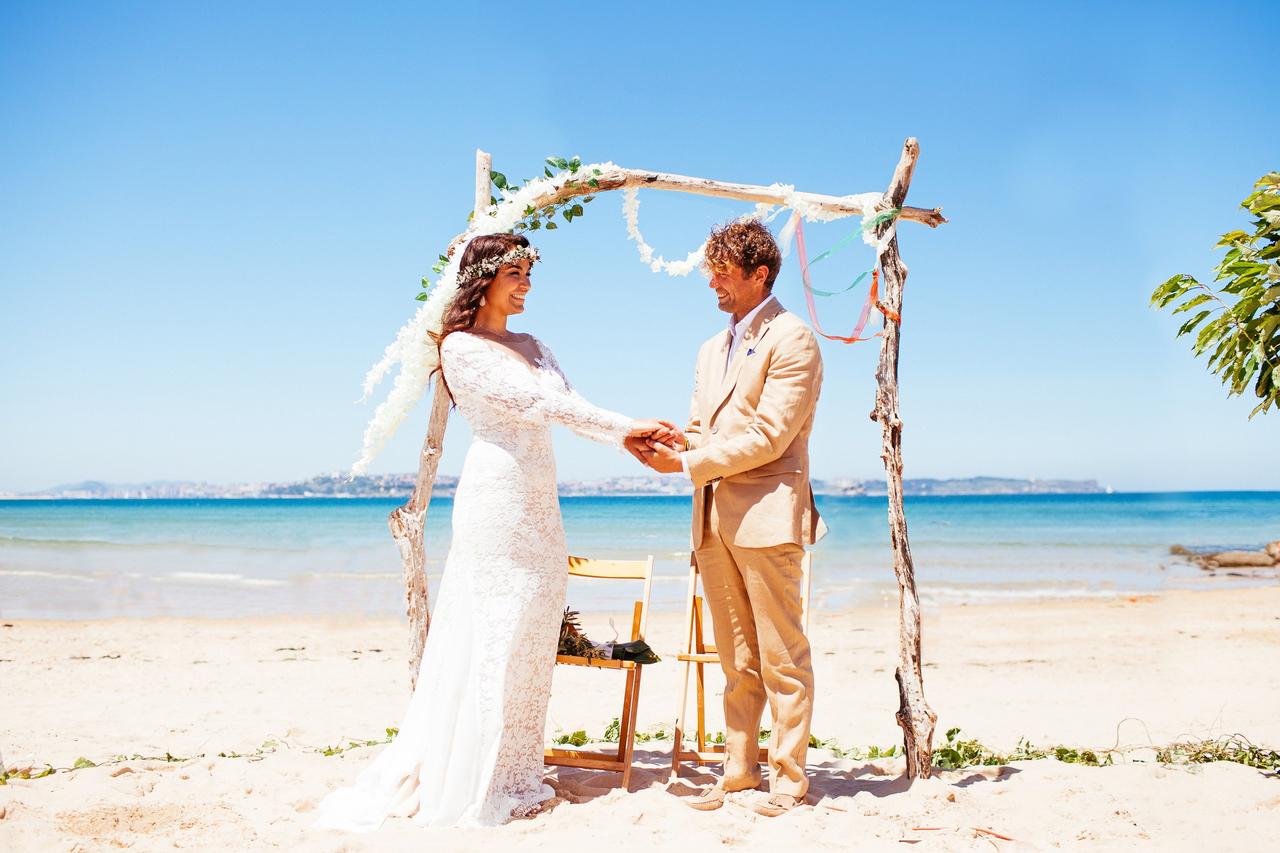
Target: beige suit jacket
x,y
749,433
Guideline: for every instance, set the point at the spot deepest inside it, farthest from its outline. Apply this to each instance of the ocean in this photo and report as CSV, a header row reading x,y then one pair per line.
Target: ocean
x,y
67,559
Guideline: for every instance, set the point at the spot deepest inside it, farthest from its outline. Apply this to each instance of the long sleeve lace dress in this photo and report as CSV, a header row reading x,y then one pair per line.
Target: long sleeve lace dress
x,y
469,750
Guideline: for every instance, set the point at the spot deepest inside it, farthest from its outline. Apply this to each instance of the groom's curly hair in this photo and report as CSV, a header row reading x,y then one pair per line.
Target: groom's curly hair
x,y
460,314
747,245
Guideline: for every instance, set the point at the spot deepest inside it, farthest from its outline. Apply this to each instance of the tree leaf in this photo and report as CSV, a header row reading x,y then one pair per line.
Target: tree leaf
x,y
1193,302
1192,323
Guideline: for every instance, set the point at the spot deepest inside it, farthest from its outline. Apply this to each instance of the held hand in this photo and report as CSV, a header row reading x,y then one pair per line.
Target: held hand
x,y
678,441
664,459
639,448
662,432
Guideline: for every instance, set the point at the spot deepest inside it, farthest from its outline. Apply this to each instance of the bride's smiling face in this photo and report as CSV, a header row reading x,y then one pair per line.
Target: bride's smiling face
x,y
506,293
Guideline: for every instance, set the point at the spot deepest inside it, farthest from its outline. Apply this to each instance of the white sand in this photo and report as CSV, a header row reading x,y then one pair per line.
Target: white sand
x,y
1084,673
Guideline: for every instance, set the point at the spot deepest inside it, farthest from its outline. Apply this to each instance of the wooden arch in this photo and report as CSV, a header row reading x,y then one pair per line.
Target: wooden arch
x,y
406,522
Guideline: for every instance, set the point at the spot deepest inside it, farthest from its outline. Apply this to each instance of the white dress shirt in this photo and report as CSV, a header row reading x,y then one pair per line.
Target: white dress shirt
x,y
736,331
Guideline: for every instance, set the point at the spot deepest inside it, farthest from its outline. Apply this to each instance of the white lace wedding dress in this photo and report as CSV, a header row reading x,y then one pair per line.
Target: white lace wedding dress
x,y
469,750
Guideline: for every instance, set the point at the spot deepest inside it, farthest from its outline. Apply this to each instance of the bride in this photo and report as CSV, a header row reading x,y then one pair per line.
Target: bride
x,y
469,750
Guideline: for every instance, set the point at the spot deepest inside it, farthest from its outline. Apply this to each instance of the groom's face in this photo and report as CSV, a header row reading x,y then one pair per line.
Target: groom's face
x,y
736,291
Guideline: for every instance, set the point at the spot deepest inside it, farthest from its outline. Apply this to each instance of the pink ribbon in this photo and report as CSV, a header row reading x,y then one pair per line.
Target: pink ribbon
x,y
813,309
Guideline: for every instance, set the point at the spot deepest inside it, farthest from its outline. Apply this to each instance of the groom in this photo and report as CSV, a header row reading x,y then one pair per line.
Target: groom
x,y
746,449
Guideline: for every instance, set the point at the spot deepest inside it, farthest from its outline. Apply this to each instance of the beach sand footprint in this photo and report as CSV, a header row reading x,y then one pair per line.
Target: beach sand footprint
x,y
110,824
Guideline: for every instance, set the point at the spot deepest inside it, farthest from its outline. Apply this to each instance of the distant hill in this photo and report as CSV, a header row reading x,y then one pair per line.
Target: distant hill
x,y
401,485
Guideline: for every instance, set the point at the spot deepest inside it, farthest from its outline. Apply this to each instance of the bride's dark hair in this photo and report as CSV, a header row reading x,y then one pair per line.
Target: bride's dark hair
x,y
461,313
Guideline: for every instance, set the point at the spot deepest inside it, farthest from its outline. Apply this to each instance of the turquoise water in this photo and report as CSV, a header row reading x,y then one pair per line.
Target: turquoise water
x,y
86,559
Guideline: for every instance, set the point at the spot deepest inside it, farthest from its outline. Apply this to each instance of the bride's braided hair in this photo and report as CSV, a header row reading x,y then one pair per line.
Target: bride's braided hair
x,y
460,314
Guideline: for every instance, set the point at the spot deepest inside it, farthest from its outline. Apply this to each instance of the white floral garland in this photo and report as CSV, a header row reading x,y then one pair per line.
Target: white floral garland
x,y
631,212
798,203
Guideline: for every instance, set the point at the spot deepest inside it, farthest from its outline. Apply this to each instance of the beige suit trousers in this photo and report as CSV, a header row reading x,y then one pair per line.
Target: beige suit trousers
x,y
754,598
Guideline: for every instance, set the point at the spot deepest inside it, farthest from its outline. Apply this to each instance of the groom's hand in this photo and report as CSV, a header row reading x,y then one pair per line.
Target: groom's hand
x,y
663,432
664,459
673,437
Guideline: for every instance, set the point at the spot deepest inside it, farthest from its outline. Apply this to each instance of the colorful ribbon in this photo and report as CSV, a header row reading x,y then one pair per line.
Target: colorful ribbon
x,y
872,294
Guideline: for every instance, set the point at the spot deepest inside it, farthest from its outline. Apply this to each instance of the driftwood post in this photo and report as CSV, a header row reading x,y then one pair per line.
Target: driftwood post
x,y
407,521
914,714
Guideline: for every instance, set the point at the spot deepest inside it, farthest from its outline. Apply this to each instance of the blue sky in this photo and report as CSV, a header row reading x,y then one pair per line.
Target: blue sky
x,y
212,220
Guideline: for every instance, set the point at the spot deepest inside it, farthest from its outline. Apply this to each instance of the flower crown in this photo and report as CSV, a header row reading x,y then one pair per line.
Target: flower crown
x,y
489,266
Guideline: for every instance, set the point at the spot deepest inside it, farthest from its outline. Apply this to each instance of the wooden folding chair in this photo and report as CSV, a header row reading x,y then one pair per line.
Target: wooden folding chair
x,y
633,570
698,654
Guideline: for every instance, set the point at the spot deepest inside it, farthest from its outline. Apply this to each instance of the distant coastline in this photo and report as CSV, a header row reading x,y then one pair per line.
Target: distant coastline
x,y
401,485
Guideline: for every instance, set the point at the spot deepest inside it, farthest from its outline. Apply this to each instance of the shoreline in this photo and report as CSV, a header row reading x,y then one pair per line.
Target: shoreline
x,y
829,597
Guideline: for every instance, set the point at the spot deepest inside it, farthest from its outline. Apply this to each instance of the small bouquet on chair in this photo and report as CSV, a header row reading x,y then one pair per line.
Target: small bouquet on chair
x,y
575,643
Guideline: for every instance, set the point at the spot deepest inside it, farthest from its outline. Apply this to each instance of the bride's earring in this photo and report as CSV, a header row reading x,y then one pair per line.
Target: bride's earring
x,y
482,300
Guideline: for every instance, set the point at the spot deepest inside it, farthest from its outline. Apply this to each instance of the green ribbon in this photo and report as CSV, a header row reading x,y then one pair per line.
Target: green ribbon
x,y
867,226
856,282
880,218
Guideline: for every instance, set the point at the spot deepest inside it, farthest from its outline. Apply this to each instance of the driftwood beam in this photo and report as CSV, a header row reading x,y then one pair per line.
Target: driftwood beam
x,y
914,715
618,178
746,192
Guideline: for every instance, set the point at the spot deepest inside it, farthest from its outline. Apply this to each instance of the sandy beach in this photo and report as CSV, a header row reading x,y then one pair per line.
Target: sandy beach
x,y
1132,672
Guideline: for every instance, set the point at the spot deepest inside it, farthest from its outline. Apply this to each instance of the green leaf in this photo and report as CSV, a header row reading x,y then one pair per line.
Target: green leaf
x,y
1193,322
421,297
81,763
576,210
551,226
1193,302
1231,237
499,180
547,172
1172,289
574,163
593,182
